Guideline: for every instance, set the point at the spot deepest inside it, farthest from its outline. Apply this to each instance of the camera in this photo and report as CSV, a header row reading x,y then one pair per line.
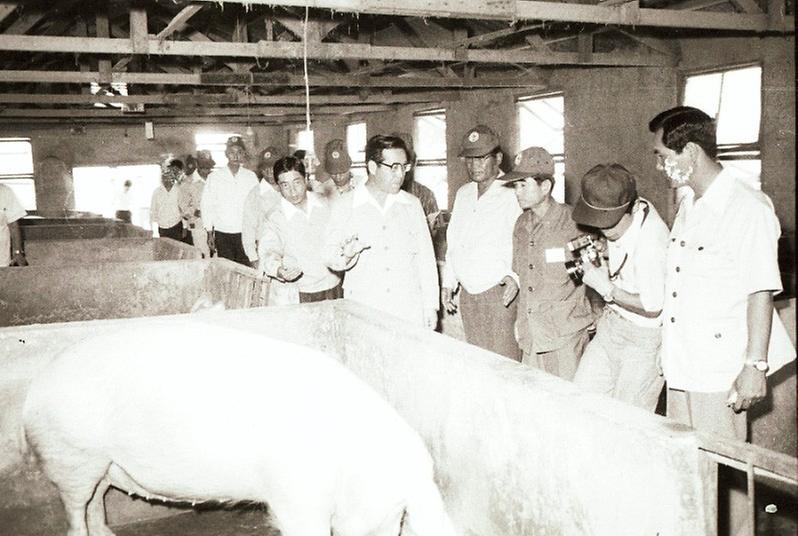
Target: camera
x,y
585,249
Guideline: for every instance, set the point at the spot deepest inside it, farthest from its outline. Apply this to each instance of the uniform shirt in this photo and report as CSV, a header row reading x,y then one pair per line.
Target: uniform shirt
x,y
723,247
294,237
223,199
551,308
397,273
638,259
124,200
190,199
164,209
260,201
479,238
10,211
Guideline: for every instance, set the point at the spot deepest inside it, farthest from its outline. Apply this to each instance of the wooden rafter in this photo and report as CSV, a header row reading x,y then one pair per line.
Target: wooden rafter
x,y
6,9
321,51
26,21
512,10
275,80
179,21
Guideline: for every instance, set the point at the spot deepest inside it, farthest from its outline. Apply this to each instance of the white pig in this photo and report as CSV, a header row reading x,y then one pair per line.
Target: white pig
x,y
189,411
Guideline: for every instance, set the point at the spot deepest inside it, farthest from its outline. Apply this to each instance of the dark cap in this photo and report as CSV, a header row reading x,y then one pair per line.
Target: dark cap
x,y
531,162
479,141
205,159
268,156
336,157
607,191
236,140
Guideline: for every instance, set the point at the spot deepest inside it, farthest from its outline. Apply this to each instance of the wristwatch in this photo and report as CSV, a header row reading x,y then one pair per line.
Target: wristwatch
x,y
759,364
608,298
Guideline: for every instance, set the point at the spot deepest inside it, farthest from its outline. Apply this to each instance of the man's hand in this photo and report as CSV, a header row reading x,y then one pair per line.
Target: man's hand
x,y
510,290
352,246
18,259
289,273
598,278
211,242
448,301
749,388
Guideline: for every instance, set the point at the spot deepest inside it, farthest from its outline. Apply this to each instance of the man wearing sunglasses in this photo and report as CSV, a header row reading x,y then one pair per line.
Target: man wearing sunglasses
x,y
622,359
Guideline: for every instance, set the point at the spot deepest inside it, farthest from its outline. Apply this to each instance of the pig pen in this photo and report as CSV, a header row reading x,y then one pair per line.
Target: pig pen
x,y
47,294
74,228
516,451
100,250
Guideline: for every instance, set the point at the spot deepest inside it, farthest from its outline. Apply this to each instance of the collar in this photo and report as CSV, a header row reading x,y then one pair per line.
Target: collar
x,y
290,210
717,195
196,177
628,240
361,196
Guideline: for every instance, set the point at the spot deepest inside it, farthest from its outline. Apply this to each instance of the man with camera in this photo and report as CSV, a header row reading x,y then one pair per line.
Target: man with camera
x,y
622,359
553,312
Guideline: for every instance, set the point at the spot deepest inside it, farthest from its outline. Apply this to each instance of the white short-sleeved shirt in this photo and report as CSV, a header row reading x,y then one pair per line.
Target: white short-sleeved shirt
x,y
479,238
723,247
638,258
223,199
10,211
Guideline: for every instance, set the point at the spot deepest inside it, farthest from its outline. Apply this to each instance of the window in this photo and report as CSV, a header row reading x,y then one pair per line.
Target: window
x,y
16,169
430,146
216,143
97,190
733,97
541,123
356,138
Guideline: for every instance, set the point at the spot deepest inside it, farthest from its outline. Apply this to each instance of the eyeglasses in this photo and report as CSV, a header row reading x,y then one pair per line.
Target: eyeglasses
x,y
397,167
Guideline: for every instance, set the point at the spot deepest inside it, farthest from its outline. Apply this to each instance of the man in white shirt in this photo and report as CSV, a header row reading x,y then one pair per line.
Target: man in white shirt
x,y
378,235
124,203
191,197
223,203
621,360
260,201
720,336
479,250
165,207
12,250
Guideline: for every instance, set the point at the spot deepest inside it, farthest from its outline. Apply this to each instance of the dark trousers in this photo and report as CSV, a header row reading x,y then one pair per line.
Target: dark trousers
x,y
230,246
174,232
123,215
487,323
334,293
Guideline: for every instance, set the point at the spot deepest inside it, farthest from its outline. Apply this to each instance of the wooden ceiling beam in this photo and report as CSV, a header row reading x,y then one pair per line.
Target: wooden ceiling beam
x,y
513,10
6,9
178,22
269,79
184,99
25,21
319,51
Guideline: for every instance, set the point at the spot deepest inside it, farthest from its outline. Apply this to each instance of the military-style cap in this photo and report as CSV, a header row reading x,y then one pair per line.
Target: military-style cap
x,y
205,159
236,140
336,157
531,162
479,141
607,190
268,156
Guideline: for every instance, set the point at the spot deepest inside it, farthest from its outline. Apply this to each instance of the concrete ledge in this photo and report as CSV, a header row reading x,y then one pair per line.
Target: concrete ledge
x,y
517,451
99,250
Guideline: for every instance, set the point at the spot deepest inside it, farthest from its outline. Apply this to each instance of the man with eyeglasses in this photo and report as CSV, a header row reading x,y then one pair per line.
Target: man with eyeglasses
x,y
377,234
622,359
479,250
553,313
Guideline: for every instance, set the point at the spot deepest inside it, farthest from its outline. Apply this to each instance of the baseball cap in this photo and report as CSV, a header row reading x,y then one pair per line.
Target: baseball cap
x,y
478,141
336,157
268,156
607,191
236,140
531,162
205,159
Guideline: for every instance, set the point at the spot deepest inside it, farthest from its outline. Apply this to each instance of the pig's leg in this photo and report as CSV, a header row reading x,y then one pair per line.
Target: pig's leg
x,y
297,519
95,513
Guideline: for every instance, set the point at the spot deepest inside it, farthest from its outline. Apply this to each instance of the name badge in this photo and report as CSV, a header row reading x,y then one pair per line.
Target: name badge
x,y
555,255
